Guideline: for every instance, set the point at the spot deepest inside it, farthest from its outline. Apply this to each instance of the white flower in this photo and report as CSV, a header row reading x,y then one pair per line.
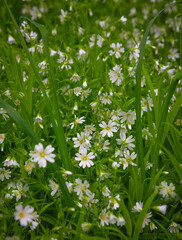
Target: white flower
x,y
115,75
8,162
112,218
12,238
11,40
42,155
75,77
81,188
126,143
38,119
108,128
104,218
82,54
173,54
104,175
120,221
93,40
89,129
138,207
99,41
105,99
115,165
166,190
63,15
146,103
4,174
20,190
105,191
152,226
174,227
123,19
29,166
4,113
161,208
77,91
82,140
69,186
35,220
105,146
77,121
42,65
113,203
117,50
128,159
35,13
2,137
85,93
61,57
84,158
24,215
86,226
54,187
129,116
81,31
135,53
146,220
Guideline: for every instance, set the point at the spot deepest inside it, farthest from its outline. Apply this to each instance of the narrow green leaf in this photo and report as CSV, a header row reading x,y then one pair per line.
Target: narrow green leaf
x,y
174,162
20,121
46,206
150,85
171,116
86,237
152,184
127,218
120,234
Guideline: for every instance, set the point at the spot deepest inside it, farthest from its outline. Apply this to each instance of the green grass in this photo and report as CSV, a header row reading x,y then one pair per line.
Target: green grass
x,y
67,117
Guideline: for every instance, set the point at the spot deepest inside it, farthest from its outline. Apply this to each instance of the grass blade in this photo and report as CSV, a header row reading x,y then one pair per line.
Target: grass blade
x,y
20,121
127,218
174,162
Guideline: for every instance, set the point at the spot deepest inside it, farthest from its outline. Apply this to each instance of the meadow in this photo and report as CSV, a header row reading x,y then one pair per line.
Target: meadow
x,y
90,120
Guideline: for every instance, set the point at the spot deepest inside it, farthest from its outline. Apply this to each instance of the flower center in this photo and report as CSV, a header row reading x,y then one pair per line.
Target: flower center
x,y
21,214
103,217
169,190
42,154
118,73
84,158
116,49
108,128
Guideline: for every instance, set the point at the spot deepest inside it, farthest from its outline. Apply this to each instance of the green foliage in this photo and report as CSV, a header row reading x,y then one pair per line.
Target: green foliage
x,y
66,84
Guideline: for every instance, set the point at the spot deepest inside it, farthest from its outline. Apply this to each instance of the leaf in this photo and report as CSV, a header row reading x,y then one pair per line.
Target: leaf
x,y
126,216
20,121
174,162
